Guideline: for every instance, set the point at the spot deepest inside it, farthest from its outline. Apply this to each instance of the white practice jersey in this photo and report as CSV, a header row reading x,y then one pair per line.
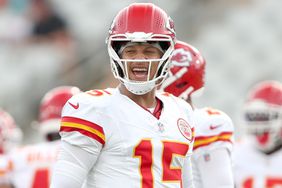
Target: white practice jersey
x,y
254,169
32,165
213,130
134,148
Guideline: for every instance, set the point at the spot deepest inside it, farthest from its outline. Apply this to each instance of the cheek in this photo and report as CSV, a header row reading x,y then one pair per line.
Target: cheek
x,y
154,67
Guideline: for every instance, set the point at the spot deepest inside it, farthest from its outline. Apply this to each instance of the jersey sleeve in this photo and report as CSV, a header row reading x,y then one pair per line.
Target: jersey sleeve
x,y
219,163
82,122
72,166
214,129
187,176
189,130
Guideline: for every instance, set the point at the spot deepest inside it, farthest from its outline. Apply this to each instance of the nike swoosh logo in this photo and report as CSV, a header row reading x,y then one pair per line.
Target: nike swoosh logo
x,y
212,127
74,106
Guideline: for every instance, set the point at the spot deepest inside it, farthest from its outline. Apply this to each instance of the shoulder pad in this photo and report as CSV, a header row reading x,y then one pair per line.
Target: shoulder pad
x,y
90,99
213,120
212,125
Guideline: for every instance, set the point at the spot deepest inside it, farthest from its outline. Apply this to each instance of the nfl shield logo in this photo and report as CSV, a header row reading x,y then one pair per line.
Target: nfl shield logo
x,y
161,127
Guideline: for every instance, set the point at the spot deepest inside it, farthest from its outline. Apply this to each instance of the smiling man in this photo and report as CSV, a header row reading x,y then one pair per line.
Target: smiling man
x,y
130,136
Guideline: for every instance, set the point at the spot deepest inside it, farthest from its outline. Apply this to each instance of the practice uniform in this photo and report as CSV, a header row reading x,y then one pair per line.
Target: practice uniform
x,y
254,169
129,146
212,148
32,165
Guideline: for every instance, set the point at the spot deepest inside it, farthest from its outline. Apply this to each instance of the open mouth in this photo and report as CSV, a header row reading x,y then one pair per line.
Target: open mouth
x,y
140,73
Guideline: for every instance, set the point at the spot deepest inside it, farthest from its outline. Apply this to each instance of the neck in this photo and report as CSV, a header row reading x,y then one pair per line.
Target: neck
x,y
147,100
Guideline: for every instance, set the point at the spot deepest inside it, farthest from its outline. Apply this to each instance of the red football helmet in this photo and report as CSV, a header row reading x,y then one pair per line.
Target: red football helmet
x,y
51,106
263,114
187,72
141,23
10,133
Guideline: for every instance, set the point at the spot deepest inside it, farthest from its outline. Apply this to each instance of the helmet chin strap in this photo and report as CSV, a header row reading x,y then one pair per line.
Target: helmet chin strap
x,y
140,88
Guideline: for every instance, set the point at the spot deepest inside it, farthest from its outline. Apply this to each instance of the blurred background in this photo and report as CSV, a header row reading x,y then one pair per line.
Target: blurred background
x,y
48,43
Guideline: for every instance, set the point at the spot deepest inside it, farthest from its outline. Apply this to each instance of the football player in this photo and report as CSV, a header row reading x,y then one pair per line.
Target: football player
x,y
32,164
258,156
10,133
213,128
129,136
10,139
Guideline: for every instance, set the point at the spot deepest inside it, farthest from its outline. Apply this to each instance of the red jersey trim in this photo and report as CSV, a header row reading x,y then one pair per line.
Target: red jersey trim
x,y
201,141
87,128
158,109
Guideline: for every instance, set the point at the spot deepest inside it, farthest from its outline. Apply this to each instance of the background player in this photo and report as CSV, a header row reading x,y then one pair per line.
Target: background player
x,y
33,164
130,136
10,134
258,156
213,128
10,139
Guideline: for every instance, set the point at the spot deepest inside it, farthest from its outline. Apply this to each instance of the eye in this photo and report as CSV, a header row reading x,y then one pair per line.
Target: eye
x,y
152,53
129,51
151,50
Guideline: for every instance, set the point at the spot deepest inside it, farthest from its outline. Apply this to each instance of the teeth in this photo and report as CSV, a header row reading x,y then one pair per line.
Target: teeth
x,y
139,69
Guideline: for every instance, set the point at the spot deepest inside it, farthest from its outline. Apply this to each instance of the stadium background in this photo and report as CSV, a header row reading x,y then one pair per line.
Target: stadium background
x,y
241,41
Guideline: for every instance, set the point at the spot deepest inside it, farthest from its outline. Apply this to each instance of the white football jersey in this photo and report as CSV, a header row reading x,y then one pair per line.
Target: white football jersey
x,y
5,169
254,169
213,130
32,165
134,148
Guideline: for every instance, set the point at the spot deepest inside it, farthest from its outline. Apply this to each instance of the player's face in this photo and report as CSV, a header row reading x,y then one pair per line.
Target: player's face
x,y
141,71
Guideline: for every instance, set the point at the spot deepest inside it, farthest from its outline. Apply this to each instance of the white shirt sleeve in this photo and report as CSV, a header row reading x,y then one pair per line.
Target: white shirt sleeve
x,y
187,176
213,169
72,166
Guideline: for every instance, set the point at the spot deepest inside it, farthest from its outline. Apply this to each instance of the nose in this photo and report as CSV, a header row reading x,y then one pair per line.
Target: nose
x,y
140,55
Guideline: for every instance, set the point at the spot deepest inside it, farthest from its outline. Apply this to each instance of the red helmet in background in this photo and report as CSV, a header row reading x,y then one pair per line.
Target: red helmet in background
x,y
141,23
10,133
51,107
187,72
263,114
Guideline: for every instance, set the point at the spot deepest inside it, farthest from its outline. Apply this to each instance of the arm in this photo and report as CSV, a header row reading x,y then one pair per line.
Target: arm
x,y
216,170
187,176
72,166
